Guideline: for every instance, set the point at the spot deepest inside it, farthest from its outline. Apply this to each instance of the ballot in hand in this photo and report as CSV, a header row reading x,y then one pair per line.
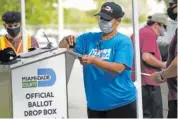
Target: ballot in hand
x,y
70,41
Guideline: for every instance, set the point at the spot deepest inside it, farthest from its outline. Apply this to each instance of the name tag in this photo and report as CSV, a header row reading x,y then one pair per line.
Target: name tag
x,y
102,54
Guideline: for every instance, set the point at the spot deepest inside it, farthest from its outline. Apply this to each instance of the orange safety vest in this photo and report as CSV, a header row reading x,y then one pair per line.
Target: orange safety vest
x,y
4,43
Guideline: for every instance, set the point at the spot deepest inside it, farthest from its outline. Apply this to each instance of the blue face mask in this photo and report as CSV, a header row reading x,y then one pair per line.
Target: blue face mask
x,y
105,26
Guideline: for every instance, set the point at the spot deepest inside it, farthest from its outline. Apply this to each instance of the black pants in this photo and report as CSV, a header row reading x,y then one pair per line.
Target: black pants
x,y
152,102
172,105
128,111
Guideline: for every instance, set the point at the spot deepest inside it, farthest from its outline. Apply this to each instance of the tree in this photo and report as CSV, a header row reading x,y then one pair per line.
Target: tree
x,y
37,11
8,5
41,12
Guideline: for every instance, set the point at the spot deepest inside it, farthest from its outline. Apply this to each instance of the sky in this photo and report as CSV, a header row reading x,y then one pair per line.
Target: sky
x,y
156,8
80,4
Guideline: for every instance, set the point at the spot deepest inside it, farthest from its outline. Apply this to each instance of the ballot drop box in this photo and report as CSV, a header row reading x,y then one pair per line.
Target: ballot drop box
x,y
35,84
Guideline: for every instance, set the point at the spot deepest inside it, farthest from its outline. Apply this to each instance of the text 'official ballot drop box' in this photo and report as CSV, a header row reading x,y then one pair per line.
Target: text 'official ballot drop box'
x,y
35,85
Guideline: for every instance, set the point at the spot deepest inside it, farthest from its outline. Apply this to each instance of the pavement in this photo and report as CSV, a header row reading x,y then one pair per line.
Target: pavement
x,y
76,94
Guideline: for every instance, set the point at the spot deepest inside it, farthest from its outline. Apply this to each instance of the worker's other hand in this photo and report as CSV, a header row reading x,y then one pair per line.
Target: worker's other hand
x,y
86,59
156,77
70,40
7,54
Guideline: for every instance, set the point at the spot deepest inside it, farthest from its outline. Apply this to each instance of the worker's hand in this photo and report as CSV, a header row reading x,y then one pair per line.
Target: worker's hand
x,y
70,40
156,77
86,59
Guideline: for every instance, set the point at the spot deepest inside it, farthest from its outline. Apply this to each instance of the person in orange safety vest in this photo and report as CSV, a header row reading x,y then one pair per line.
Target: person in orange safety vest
x,y
13,38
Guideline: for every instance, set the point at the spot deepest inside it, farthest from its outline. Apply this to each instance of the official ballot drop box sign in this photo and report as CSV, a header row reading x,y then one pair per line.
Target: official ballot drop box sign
x,y
38,86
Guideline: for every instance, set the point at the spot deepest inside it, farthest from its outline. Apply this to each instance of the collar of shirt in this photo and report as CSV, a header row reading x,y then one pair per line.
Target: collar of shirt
x,y
14,42
149,27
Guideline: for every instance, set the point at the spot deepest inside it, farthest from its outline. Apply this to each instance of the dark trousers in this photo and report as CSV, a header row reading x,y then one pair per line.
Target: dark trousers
x,y
128,111
152,102
172,105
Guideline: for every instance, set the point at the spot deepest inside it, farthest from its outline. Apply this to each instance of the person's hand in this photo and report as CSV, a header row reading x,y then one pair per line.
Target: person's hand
x,y
70,41
86,59
164,65
156,77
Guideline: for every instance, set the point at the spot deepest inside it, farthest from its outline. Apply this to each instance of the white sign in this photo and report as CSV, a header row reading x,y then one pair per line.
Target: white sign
x,y
39,89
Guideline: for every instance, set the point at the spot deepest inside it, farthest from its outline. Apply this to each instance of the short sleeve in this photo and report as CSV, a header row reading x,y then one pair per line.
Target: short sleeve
x,y
81,43
148,43
124,53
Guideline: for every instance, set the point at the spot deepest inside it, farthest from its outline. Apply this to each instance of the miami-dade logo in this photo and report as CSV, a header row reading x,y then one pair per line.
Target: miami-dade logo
x,y
45,77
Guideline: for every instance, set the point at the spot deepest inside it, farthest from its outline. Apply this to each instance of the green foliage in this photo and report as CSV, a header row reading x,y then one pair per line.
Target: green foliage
x,y
41,12
74,16
37,11
8,5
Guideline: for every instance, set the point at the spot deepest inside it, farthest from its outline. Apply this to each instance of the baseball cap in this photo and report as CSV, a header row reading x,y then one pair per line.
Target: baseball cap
x,y
110,10
11,17
159,18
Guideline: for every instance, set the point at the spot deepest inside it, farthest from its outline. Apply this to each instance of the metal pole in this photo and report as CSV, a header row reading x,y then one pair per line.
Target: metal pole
x,y
23,30
60,20
137,56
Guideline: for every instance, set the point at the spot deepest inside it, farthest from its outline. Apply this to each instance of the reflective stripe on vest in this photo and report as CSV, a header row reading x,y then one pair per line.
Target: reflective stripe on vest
x,y
4,42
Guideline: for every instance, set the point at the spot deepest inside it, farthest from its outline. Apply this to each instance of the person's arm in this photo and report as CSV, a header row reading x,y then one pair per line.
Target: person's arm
x,y
122,60
108,66
152,60
78,44
63,44
67,41
149,49
171,71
